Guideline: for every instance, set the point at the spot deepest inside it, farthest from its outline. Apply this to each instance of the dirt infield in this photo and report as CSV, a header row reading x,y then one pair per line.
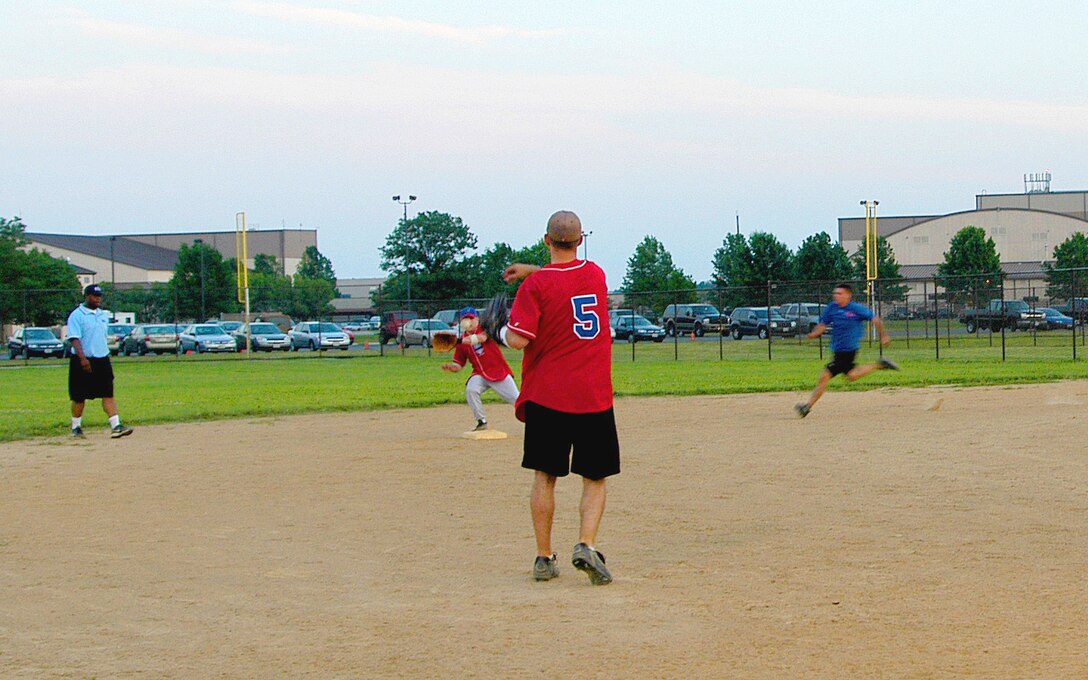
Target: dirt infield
x,y
931,533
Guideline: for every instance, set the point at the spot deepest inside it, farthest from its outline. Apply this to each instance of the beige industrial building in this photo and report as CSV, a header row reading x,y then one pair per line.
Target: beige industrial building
x,y
150,258
1025,227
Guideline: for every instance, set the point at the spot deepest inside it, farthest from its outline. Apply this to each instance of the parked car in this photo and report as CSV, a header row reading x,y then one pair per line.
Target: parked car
x,y
229,326
391,323
264,337
354,326
116,334
33,341
152,338
374,324
900,314
1076,308
755,321
318,335
206,337
806,314
450,317
1054,320
635,328
692,318
998,314
420,331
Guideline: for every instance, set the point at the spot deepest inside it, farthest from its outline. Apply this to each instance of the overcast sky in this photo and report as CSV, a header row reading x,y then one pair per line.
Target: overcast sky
x,y
642,117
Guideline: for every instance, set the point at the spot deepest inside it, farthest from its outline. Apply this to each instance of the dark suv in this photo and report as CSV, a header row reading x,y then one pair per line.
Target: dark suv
x,y
754,321
692,318
392,322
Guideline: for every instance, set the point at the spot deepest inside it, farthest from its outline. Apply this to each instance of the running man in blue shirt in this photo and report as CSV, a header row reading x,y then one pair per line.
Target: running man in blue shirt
x,y
847,322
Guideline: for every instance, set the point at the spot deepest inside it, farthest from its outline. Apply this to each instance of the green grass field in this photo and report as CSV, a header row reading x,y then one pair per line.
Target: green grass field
x,y
33,397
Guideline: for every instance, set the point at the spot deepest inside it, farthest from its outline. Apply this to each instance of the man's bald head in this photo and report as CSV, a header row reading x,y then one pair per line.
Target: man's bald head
x,y
565,230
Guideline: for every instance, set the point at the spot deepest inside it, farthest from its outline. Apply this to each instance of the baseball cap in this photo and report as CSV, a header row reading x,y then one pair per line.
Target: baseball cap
x,y
93,289
469,311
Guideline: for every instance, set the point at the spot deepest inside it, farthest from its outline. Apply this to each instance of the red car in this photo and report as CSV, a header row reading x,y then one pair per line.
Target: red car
x,y
392,322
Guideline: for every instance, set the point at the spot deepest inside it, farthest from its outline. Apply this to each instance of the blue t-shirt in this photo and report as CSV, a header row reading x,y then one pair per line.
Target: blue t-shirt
x,y
846,325
89,326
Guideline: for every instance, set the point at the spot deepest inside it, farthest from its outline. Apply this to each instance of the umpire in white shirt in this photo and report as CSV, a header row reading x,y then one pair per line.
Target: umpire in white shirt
x,y
90,374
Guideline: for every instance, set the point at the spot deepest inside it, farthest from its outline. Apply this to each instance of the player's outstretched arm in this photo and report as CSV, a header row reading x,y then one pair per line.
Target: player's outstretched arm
x,y
820,329
518,272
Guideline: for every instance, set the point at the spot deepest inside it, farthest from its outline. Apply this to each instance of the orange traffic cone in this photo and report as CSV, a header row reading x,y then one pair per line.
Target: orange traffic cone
x,y
693,336
366,346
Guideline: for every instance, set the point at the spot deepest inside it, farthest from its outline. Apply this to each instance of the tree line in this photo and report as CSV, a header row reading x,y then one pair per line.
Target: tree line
x,y
434,254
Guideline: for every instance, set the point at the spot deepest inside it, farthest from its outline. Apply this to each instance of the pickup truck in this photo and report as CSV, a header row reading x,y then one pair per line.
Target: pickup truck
x,y
1077,308
1010,314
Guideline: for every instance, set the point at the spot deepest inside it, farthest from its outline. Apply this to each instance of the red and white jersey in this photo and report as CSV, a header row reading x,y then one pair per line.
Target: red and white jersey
x,y
563,310
486,358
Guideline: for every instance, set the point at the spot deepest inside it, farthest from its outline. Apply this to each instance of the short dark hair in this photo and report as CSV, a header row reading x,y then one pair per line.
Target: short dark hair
x,y
847,287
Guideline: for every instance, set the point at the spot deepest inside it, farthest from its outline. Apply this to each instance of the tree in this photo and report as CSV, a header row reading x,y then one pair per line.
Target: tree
x,y
970,261
34,286
653,280
199,263
431,250
313,265
771,259
889,286
268,264
820,259
1071,253
733,270
310,298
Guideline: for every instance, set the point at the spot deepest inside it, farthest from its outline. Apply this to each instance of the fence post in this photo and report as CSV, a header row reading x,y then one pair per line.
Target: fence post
x,y
1003,324
631,329
381,323
1073,313
769,333
936,321
721,328
675,332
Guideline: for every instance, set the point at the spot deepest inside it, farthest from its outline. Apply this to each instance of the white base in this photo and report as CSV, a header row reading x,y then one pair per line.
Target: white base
x,y
484,434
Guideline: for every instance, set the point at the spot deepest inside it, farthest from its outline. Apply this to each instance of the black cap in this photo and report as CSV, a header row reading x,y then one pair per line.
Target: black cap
x,y
93,289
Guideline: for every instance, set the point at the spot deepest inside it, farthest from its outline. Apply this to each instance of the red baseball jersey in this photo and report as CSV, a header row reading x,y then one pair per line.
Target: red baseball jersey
x,y
487,359
563,310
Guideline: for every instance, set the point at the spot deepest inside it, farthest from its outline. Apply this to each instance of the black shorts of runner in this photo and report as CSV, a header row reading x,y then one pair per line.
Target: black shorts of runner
x,y
842,363
97,384
551,435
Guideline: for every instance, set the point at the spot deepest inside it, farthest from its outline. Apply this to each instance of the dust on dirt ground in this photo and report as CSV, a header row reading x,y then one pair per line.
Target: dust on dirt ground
x,y
898,533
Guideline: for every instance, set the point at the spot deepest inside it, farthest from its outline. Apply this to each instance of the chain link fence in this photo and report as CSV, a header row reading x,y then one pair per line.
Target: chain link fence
x,y
1027,316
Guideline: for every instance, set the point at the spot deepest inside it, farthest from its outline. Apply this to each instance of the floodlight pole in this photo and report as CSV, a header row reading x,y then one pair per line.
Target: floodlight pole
x,y
407,265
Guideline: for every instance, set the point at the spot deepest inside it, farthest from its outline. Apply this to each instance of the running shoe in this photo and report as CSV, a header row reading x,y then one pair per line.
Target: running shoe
x,y
77,433
545,568
592,563
120,431
889,364
802,409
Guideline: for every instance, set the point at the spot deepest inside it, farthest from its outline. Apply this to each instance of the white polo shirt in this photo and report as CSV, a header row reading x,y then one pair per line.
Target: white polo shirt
x,y
89,327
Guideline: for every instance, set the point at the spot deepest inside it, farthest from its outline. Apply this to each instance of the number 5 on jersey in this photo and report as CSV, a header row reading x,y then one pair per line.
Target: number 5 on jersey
x,y
587,325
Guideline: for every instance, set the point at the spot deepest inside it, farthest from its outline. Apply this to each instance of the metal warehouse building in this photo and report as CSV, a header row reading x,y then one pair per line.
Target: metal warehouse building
x,y
1025,227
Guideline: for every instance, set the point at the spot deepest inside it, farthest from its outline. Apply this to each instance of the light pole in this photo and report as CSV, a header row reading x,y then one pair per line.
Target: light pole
x,y
407,245
585,244
200,242
113,265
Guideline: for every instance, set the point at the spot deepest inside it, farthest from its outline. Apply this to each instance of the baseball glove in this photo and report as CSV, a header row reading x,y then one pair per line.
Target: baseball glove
x,y
494,317
443,341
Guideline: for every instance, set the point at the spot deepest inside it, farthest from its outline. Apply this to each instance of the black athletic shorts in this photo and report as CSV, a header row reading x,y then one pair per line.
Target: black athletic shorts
x,y
550,435
842,363
94,385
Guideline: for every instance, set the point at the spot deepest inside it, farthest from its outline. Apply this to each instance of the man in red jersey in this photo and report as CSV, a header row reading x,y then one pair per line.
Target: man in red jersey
x,y
560,319
489,368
